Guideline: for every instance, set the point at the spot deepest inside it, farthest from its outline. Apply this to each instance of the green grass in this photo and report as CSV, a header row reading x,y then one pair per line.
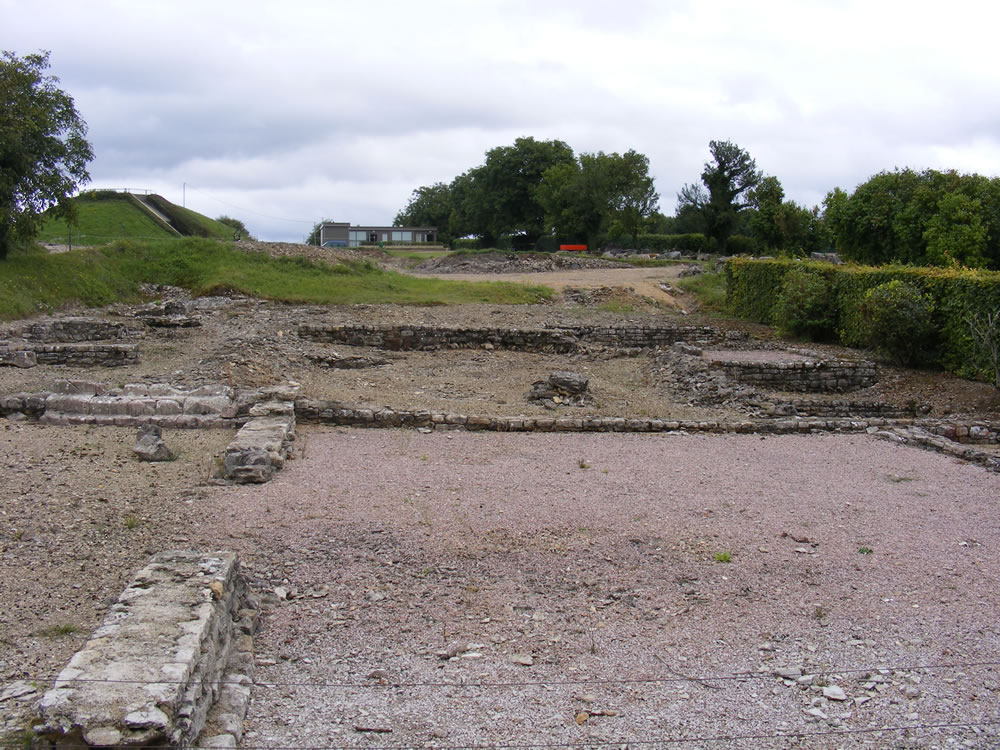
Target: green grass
x,y
723,557
101,221
708,288
183,217
57,631
33,282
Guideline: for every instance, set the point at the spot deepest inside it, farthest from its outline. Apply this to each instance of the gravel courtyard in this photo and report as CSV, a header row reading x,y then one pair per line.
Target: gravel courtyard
x,y
517,590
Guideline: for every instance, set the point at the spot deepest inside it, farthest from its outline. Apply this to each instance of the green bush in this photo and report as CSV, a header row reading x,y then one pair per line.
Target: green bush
x,y
752,286
806,306
897,322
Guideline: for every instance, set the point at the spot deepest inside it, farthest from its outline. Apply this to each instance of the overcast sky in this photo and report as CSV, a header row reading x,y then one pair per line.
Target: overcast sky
x,y
284,113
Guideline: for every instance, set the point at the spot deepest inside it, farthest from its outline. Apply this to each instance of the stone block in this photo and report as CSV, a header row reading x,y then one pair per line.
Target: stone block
x,y
21,358
149,673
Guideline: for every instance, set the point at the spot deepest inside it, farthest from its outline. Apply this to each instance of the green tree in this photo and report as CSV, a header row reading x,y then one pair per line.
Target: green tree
x,y
728,180
238,227
585,198
429,206
505,187
956,234
43,148
924,218
766,222
632,197
469,213
571,198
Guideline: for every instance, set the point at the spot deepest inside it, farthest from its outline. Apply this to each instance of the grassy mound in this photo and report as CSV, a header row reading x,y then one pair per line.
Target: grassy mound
x,y
104,216
101,220
32,283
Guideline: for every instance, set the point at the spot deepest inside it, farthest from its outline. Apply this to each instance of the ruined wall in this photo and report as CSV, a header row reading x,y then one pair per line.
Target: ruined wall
x,y
555,339
74,330
173,657
815,376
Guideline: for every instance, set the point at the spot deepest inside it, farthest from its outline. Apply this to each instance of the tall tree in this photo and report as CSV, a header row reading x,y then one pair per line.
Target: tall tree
x,y
633,197
583,199
783,225
43,148
507,184
925,218
728,179
429,206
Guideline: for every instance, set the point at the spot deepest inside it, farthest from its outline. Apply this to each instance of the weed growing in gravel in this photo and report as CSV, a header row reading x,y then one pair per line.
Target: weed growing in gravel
x,y
820,612
132,521
724,557
582,463
863,550
57,631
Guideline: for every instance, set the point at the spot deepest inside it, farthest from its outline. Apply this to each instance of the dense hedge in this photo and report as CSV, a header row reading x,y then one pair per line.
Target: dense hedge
x,y
753,287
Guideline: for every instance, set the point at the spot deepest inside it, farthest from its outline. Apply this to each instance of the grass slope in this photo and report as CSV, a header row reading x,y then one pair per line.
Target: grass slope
x,y
190,223
102,220
31,283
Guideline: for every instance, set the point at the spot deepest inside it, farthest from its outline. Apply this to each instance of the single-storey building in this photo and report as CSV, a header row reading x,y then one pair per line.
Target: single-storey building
x,y
341,233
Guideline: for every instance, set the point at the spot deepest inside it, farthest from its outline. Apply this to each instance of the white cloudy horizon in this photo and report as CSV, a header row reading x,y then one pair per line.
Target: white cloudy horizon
x,y
284,114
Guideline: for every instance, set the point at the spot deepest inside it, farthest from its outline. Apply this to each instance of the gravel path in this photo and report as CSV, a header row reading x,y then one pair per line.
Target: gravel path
x,y
419,569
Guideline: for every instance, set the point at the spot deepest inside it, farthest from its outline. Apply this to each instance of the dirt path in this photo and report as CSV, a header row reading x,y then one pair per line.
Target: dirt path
x,y
644,281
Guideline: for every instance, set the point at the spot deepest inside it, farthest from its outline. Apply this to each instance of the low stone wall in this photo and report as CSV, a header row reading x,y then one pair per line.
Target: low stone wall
x,y
74,330
178,638
843,408
816,376
332,412
401,338
82,355
555,339
95,403
642,337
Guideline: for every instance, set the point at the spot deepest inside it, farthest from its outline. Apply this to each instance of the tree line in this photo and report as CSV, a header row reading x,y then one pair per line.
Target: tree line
x,y
535,191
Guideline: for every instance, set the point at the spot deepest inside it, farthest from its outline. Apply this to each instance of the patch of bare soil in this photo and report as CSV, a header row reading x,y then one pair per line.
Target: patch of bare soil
x,y
561,273
524,588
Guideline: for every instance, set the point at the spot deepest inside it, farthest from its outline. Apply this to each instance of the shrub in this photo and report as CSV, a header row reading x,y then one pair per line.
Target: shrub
x,y
896,318
806,306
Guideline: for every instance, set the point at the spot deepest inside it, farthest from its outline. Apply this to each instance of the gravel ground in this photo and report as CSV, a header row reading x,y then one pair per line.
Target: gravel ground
x,y
419,568
594,555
